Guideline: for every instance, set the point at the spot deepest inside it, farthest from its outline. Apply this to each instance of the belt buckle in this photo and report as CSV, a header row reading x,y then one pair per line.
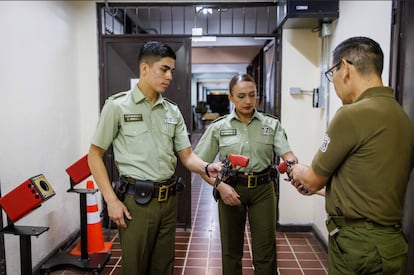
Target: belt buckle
x,y
251,184
163,193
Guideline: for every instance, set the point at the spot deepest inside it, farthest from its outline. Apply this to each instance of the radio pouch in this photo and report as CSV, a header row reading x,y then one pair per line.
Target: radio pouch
x,y
143,191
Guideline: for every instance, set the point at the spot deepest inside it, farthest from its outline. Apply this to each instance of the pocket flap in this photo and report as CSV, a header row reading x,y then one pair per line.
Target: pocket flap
x,y
143,191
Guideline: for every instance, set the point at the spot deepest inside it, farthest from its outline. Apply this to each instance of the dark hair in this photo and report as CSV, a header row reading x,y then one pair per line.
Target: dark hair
x,y
239,78
153,51
364,53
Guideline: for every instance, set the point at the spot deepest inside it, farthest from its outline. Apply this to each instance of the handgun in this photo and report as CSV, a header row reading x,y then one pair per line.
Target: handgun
x,y
230,166
284,167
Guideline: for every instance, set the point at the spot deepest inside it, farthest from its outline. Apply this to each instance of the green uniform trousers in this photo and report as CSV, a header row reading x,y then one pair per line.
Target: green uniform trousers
x,y
148,242
260,206
366,248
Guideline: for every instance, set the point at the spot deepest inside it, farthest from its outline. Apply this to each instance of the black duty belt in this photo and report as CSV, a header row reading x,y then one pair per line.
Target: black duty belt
x,y
162,190
252,180
342,221
156,184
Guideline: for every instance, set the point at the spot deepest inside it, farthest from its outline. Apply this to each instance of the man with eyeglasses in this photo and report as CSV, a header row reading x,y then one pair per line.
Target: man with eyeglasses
x,y
364,162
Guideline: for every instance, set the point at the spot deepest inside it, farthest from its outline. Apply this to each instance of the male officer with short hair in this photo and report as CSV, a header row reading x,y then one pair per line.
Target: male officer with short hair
x,y
145,130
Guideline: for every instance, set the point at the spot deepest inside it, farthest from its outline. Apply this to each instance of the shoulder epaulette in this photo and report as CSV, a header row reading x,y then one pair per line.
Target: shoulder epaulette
x,y
219,118
170,101
270,115
118,95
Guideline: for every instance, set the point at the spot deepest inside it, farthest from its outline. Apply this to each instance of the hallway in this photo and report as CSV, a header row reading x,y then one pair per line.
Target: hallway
x,y
198,249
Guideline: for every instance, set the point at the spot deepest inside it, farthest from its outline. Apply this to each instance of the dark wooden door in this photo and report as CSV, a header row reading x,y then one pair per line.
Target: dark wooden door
x,y
119,64
402,70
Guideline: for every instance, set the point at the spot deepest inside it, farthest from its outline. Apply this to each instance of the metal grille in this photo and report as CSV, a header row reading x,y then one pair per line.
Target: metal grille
x,y
250,19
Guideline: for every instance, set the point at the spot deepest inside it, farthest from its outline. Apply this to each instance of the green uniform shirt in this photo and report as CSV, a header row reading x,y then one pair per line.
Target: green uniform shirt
x,y
368,152
144,137
259,140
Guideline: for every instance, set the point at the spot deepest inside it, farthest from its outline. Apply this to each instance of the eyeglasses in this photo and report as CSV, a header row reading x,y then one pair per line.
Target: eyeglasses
x,y
329,73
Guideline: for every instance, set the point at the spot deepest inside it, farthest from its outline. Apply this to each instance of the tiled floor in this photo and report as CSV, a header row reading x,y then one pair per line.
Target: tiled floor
x,y
198,249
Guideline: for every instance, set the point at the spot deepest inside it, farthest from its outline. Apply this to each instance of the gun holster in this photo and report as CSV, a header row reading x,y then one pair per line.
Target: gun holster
x,y
180,184
273,173
216,194
120,188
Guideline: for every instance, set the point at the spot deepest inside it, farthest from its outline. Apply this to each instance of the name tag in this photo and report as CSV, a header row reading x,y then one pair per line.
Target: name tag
x,y
228,132
132,117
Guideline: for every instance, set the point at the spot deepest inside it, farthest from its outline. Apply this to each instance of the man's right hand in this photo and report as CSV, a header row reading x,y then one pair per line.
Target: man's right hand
x,y
228,194
214,169
117,212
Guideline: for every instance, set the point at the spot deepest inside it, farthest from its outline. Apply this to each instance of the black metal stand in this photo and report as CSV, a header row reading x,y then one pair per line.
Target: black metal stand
x,y
93,262
25,233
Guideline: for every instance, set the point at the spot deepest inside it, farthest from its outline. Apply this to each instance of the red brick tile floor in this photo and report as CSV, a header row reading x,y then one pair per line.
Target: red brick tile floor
x,y
198,249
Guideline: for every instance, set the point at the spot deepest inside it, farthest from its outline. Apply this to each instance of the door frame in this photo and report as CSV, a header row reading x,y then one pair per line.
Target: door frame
x,y
401,69
118,63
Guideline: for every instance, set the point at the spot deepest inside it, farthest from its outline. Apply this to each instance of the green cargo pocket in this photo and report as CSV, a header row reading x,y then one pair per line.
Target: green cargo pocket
x,y
394,256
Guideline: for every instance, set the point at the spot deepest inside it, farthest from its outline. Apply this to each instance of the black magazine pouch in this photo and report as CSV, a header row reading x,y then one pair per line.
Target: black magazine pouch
x,y
143,191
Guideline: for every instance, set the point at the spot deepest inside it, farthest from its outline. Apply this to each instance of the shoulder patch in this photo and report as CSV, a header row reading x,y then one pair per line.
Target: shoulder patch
x,y
170,101
325,143
118,95
219,118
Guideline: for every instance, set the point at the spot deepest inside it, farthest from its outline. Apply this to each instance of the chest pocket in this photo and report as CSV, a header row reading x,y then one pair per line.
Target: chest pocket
x,y
133,129
229,144
266,136
168,127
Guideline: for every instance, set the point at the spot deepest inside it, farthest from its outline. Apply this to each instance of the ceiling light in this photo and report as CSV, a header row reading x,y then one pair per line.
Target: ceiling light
x,y
204,38
204,10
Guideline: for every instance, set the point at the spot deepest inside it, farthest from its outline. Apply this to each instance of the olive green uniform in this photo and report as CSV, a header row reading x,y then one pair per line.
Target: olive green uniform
x,y
260,140
368,153
144,139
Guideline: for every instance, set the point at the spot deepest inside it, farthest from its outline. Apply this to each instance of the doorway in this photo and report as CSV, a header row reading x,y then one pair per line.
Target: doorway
x,y
218,103
120,71
402,69
236,29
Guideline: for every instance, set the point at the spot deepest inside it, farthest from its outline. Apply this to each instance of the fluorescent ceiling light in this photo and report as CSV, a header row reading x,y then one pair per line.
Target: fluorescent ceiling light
x,y
263,38
203,39
204,10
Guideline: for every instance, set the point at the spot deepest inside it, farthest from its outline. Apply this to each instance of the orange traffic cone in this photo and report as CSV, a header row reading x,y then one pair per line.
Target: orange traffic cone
x,y
96,242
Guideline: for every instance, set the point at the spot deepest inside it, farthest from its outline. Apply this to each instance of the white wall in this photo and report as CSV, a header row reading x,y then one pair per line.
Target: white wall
x,y
305,125
48,109
300,63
